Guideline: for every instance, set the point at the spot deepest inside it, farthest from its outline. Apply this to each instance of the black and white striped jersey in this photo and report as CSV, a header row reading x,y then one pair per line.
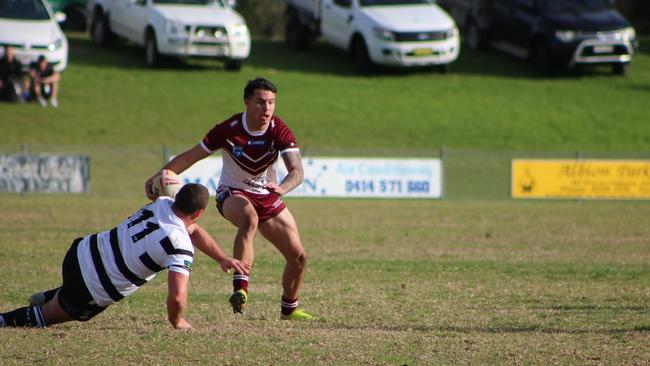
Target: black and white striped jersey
x,y
115,263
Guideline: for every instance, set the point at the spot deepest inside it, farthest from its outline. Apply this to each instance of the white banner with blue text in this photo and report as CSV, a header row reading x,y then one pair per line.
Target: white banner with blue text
x,y
346,177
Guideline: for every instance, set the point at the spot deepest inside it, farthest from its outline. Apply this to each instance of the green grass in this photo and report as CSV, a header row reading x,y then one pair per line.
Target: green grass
x,y
472,279
488,101
393,282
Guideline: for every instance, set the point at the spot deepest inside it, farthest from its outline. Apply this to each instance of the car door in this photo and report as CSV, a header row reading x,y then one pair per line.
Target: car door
x,y
130,19
336,21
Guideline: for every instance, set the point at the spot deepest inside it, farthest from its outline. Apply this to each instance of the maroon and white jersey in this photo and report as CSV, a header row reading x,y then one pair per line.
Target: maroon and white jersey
x,y
247,155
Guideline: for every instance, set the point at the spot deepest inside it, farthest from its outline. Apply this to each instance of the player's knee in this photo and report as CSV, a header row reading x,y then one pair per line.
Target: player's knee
x,y
248,224
301,259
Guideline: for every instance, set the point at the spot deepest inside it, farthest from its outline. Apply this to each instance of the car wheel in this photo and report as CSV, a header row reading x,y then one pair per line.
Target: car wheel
x,y
620,69
542,58
152,56
233,65
360,57
100,31
475,37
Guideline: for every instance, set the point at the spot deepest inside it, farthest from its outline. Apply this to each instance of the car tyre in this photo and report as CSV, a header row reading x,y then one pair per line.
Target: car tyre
x,y
360,57
620,69
542,58
152,56
100,31
233,65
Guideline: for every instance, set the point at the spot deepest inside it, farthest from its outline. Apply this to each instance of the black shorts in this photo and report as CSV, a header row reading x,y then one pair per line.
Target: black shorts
x,y
74,296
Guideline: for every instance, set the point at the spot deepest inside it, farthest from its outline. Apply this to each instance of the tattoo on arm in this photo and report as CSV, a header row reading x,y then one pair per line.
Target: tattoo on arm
x,y
293,162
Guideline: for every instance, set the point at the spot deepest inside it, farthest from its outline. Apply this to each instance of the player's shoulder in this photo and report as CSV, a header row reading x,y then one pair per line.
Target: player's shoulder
x,y
180,239
231,121
278,124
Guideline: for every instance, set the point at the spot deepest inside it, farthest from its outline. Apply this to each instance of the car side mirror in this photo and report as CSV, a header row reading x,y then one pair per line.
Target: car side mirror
x,y
60,17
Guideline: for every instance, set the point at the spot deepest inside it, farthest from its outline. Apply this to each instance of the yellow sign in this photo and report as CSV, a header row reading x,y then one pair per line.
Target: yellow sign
x,y
602,179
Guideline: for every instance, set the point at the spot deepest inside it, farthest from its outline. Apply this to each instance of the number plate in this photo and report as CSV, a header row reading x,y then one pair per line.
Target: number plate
x,y
422,52
603,49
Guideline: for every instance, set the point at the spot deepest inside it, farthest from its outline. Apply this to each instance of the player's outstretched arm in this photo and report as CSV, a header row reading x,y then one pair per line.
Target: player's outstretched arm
x,y
177,284
202,240
178,164
295,175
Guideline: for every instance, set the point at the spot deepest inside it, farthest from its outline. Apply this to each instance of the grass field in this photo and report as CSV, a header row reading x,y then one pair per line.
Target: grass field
x,y
473,279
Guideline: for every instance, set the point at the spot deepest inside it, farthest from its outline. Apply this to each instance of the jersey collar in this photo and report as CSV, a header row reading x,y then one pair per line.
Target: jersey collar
x,y
253,133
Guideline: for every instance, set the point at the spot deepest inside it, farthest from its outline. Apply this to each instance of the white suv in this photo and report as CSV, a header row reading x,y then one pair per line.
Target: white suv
x,y
182,28
32,30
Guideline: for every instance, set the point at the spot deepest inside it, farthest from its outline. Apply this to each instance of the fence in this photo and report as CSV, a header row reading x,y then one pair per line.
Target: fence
x,y
467,174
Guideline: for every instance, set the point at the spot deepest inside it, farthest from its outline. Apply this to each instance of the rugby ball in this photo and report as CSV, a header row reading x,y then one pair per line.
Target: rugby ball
x,y
166,183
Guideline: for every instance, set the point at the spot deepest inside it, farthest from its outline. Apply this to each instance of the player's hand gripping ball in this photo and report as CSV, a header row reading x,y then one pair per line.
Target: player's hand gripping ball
x,y
166,183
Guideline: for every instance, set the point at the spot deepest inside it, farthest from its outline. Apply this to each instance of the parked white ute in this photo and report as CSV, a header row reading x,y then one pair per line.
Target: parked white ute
x,y
181,28
387,32
32,30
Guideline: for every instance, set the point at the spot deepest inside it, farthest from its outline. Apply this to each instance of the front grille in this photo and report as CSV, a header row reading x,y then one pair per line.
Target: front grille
x,y
207,34
422,36
23,46
617,51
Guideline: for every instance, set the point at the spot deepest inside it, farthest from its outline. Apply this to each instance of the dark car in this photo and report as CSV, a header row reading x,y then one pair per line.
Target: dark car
x,y
552,33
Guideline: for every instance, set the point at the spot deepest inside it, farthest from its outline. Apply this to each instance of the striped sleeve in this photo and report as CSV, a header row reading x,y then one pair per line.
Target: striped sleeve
x,y
180,253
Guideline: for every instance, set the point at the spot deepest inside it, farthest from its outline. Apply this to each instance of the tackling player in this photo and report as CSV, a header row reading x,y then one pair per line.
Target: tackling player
x,y
248,195
101,269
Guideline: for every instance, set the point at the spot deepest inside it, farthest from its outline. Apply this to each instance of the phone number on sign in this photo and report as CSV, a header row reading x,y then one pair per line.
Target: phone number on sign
x,y
386,186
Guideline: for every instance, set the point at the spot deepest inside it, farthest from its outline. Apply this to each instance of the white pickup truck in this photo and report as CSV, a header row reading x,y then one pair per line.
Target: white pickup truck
x,y
388,32
181,28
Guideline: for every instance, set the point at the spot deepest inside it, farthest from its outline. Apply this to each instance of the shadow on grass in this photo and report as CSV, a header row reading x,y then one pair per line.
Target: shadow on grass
x,y
497,329
127,56
321,59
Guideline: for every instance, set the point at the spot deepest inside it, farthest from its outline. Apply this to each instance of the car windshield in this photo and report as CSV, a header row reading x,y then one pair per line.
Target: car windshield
x,y
574,6
23,9
190,2
393,2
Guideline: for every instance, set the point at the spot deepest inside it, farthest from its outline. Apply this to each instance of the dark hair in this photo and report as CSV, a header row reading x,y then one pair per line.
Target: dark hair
x,y
41,58
191,198
258,83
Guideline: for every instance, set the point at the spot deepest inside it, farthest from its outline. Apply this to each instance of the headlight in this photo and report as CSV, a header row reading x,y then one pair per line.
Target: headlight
x,y
451,33
175,27
628,33
58,43
384,34
240,31
565,35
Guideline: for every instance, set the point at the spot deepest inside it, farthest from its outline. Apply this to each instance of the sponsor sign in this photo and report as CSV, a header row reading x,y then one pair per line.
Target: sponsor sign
x,y
588,179
44,173
346,177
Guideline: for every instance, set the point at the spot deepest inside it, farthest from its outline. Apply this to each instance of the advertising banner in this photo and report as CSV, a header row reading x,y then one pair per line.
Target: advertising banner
x,y
44,173
578,179
346,177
